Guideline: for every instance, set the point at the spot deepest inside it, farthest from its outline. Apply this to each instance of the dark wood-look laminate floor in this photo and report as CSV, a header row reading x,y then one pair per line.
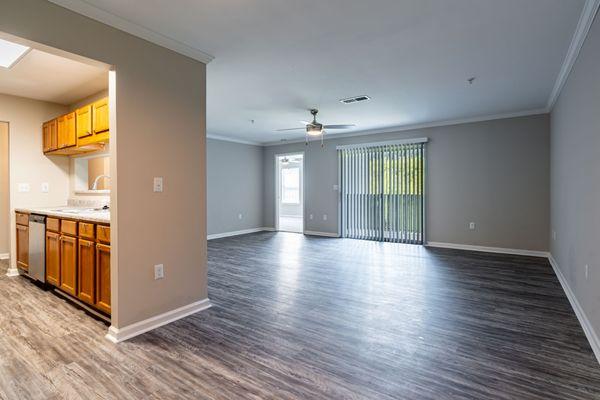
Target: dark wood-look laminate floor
x,y
299,317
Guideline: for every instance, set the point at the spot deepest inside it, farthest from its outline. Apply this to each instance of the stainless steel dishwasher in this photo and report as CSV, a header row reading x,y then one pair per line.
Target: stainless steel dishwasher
x,y
37,247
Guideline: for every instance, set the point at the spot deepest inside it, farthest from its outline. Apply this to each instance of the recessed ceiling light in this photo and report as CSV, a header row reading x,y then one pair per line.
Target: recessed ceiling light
x,y
10,53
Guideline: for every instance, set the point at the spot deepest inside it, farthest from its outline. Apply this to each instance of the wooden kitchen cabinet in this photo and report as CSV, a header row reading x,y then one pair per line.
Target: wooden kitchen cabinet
x,y
103,277
68,264
53,258
23,247
86,271
84,121
67,135
100,116
50,136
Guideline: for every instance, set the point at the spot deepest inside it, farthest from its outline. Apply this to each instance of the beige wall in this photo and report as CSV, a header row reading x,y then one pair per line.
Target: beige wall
x,y
493,173
575,188
158,130
4,193
28,164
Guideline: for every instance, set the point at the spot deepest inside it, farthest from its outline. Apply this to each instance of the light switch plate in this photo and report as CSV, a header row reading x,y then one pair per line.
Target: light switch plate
x,y
24,187
158,184
45,187
159,271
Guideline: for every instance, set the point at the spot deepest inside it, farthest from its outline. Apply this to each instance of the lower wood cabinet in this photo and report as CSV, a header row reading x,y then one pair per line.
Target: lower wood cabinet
x,y
68,264
86,272
23,247
53,258
78,260
103,277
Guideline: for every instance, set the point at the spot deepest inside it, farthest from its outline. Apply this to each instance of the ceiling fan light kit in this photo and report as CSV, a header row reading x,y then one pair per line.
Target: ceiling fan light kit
x,y
315,128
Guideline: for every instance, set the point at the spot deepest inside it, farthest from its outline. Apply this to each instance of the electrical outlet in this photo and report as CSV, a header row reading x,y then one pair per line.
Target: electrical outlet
x,y
240,216
472,226
159,271
587,272
24,187
553,235
324,217
45,188
336,187
158,184
311,216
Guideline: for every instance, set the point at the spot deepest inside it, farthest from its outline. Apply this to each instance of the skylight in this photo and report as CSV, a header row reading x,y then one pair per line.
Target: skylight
x,y
10,53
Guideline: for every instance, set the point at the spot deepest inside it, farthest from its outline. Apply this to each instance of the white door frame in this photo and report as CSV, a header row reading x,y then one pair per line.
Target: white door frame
x,y
278,188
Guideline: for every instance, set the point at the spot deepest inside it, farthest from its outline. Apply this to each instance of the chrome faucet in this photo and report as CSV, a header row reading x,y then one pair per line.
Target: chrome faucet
x,y
95,185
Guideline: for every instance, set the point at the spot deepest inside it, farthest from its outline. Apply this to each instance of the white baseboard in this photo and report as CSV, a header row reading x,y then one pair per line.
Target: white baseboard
x,y
12,272
325,234
588,329
117,335
500,250
235,233
4,256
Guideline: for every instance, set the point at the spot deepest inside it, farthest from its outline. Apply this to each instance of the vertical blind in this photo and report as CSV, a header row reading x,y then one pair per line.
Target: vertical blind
x,y
382,191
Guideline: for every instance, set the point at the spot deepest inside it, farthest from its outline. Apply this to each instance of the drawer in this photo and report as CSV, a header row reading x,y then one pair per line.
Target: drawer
x,y
53,224
103,232
23,219
86,230
68,227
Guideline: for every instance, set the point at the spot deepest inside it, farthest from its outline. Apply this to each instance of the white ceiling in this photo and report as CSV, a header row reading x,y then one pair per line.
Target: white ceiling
x,y
43,76
274,59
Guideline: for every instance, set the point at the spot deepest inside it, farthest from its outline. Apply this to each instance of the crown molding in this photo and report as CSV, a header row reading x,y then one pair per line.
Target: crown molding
x,y
586,19
403,128
84,8
233,140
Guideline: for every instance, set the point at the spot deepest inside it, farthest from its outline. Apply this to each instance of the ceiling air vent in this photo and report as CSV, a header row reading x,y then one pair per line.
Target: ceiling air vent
x,y
356,99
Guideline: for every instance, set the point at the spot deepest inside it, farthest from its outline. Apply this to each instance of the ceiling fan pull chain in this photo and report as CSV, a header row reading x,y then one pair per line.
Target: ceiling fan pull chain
x,y
306,138
322,136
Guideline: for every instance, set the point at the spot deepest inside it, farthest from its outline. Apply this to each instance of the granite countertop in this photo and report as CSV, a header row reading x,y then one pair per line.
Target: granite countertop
x,y
76,213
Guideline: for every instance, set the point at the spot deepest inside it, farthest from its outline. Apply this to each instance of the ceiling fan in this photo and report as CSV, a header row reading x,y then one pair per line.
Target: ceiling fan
x,y
315,128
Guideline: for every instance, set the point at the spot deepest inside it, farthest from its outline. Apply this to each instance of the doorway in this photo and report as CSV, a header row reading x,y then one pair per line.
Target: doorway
x,y
290,192
4,193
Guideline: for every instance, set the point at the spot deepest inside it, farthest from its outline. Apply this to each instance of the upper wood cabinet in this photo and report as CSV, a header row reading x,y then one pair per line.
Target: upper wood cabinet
x,y
67,136
84,121
81,131
100,116
50,136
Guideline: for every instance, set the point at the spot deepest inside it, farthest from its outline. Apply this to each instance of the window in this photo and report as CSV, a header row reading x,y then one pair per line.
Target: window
x,y
290,185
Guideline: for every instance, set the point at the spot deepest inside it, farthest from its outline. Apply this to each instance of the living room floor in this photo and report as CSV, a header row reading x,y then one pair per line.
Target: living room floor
x,y
300,317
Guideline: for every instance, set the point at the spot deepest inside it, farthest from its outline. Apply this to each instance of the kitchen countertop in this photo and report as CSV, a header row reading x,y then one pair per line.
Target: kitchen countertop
x,y
82,213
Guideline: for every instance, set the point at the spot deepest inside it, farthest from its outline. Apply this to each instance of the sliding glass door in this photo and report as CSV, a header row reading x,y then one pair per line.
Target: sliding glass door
x,y
382,191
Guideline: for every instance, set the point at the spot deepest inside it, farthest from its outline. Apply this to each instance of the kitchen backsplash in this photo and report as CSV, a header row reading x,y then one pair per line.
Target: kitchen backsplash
x,y
91,203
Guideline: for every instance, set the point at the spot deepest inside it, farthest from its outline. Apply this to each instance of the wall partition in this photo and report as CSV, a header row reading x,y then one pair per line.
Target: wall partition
x,y
382,189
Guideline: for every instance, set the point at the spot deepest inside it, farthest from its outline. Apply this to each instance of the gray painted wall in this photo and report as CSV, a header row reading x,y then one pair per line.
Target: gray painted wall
x,y
494,173
575,177
234,186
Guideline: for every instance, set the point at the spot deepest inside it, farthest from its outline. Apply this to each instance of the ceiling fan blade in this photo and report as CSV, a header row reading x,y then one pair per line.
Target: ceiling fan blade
x,y
338,126
305,122
291,129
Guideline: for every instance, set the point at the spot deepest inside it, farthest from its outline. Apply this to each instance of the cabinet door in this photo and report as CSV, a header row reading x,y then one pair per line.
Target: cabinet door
x,y
103,277
46,137
83,121
68,138
86,272
68,264
23,247
61,128
53,258
100,116
53,135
